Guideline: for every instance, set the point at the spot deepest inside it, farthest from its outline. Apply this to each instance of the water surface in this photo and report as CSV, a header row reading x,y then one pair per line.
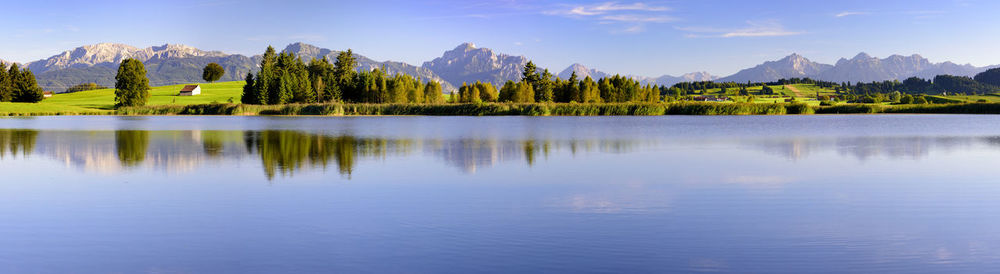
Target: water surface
x,y
871,193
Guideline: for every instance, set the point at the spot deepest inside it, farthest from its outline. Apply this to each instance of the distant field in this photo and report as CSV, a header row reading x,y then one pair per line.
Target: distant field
x,y
103,100
992,98
807,90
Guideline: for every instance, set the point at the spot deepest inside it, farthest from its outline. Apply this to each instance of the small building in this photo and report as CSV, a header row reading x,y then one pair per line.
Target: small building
x,y
46,94
190,90
711,98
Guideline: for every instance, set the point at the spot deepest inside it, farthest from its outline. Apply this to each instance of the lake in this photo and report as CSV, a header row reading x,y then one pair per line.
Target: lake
x,y
855,193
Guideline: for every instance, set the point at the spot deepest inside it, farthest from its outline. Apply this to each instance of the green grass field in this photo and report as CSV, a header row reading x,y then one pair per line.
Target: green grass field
x,y
806,90
990,98
103,100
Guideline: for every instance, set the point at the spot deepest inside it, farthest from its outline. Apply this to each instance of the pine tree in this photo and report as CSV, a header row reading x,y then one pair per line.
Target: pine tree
x,y
530,74
543,87
26,89
302,91
266,82
249,91
5,84
572,89
283,93
131,84
320,71
343,69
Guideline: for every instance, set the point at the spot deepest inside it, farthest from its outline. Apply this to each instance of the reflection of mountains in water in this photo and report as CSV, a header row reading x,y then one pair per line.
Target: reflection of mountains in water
x,y
865,148
280,151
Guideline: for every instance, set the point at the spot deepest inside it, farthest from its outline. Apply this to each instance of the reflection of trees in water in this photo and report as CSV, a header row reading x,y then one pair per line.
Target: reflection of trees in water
x,y
288,151
212,144
17,142
864,148
131,146
469,154
280,151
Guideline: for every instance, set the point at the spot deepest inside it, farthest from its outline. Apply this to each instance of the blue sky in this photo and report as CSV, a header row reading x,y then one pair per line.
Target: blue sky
x,y
649,38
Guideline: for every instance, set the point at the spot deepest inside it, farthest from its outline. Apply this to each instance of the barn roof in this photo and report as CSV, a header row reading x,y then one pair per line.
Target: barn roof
x,y
189,88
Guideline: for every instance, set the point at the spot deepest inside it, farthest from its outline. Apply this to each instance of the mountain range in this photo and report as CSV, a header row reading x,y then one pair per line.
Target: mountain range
x,y
861,68
179,64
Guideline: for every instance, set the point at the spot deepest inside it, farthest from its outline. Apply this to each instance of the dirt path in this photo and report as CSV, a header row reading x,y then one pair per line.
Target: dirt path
x,y
798,94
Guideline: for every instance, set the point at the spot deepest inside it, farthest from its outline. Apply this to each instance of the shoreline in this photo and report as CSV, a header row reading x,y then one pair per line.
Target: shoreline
x,y
528,109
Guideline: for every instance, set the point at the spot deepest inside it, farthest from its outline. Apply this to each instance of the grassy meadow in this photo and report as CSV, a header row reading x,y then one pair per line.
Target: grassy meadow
x,y
102,101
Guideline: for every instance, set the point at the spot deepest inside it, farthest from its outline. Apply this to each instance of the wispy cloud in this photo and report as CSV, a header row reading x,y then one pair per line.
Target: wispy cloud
x,y
604,8
850,13
754,29
626,17
632,18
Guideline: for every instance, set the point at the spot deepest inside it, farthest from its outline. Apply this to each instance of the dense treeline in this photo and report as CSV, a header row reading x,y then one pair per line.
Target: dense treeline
x,y
84,87
989,77
18,85
284,79
544,87
941,84
478,109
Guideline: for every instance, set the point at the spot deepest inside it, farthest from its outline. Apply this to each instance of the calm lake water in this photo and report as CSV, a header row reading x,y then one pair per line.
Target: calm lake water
x,y
882,193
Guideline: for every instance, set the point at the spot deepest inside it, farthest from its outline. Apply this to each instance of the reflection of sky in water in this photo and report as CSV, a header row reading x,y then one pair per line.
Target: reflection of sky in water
x,y
500,194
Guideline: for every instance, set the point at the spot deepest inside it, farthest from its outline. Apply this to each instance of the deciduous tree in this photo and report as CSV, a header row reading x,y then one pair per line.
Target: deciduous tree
x,y
131,84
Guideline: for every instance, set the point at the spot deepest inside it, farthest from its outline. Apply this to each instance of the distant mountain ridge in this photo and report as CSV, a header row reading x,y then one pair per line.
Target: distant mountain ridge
x,y
179,64
860,68
165,65
792,66
665,80
109,54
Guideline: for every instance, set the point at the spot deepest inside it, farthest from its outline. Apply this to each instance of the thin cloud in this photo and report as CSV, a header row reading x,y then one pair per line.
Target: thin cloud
x,y
623,17
755,29
605,8
634,29
638,18
850,13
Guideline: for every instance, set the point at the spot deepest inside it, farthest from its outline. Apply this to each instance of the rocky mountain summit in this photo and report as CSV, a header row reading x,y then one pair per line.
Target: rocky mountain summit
x,y
467,63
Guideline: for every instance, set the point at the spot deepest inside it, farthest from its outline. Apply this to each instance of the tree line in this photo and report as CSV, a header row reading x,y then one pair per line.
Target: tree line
x,y
541,86
284,78
18,85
